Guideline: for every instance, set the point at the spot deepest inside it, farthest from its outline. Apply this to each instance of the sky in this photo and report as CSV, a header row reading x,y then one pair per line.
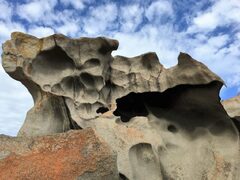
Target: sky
x,y
208,30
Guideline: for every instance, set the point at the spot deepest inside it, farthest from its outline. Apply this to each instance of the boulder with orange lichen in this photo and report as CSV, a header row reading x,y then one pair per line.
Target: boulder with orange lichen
x,y
72,155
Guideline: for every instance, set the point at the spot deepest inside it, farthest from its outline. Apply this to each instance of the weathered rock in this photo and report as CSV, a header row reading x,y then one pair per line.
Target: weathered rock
x,y
232,107
163,123
72,155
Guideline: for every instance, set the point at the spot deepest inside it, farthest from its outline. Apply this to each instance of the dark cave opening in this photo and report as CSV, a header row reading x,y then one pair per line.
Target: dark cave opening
x,y
136,104
122,177
102,110
172,128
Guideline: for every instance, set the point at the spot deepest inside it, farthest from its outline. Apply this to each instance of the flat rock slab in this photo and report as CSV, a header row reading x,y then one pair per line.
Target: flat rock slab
x,y
73,155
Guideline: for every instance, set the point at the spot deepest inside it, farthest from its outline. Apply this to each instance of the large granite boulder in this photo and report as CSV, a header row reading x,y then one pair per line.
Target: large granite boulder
x,y
73,155
163,123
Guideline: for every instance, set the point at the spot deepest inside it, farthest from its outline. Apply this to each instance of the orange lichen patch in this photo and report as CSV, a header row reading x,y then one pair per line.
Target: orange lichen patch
x,y
63,156
219,165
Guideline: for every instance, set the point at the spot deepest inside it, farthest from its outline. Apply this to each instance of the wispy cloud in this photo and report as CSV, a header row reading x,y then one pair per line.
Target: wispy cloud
x,y
6,10
40,31
209,31
15,101
131,17
100,19
159,11
79,5
34,11
221,13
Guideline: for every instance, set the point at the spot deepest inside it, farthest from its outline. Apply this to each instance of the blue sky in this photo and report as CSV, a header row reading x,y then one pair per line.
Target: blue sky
x,y
208,30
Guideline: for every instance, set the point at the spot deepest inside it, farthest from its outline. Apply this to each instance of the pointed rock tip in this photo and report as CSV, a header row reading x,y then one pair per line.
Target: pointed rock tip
x,y
184,58
150,56
113,43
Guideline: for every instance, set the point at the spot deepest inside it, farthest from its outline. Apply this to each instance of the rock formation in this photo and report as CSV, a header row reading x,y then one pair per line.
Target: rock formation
x,y
232,107
162,123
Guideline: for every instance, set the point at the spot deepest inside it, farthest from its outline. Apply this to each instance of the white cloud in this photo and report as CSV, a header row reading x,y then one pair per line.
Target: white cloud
x,y
6,10
130,17
69,28
7,27
220,57
77,4
158,9
59,18
218,41
238,35
150,39
207,21
209,47
100,19
40,31
221,13
15,102
36,10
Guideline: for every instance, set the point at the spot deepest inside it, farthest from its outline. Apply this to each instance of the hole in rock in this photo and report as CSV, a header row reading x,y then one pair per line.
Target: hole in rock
x,y
135,104
91,81
122,176
52,63
172,128
92,63
87,79
142,159
102,110
171,104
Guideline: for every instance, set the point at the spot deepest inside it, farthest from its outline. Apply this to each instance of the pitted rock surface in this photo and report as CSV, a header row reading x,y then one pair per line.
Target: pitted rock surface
x,y
163,123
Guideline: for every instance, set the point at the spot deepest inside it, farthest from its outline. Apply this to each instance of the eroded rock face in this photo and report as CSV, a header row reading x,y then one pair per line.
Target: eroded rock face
x,y
72,155
232,107
163,123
